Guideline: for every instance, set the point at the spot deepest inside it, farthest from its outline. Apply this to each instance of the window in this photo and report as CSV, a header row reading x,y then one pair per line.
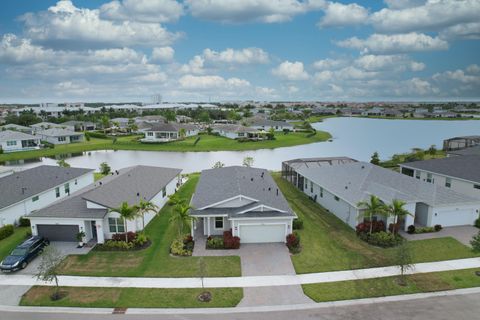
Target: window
x,y
218,222
62,139
57,192
67,188
321,192
336,198
311,186
476,186
164,192
34,199
116,225
11,143
306,184
417,174
448,182
150,134
429,177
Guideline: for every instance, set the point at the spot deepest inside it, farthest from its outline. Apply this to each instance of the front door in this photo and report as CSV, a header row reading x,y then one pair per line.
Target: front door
x,y
94,230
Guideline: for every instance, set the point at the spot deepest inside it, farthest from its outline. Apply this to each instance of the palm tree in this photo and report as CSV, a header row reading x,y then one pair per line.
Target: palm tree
x,y
128,213
182,133
105,123
174,199
372,207
181,217
145,207
396,210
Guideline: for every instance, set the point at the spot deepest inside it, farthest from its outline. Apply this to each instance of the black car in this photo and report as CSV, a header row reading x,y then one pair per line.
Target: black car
x,y
23,254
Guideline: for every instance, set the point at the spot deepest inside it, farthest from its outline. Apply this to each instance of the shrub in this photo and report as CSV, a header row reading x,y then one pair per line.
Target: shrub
x,y
297,224
438,227
476,242
364,227
131,236
411,229
24,222
215,243
177,248
28,234
477,223
114,245
97,135
47,144
141,239
293,242
392,227
384,239
229,241
425,230
6,231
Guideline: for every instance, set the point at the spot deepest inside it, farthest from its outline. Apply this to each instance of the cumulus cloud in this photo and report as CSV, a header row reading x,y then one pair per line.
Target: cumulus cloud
x,y
160,11
402,4
338,14
292,71
162,54
473,68
211,82
385,62
241,11
232,56
469,31
397,43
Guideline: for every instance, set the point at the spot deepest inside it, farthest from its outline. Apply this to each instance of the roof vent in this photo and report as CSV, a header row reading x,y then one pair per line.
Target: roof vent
x,y
100,183
138,194
251,179
363,167
269,189
277,191
263,173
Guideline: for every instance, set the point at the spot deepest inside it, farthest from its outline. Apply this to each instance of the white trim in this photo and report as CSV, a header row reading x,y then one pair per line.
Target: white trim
x,y
262,206
264,224
261,218
440,174
227,200
215,224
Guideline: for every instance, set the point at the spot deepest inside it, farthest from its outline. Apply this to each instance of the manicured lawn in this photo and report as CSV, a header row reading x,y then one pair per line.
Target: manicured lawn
x,y
380,287
206,143
98,176
131,297
154,261
329,244
8,244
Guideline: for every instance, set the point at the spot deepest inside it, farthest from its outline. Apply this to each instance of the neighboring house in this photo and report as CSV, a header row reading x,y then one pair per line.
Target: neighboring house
x,y
458,143
465,152
245,200
236,131
120,123
164,132
266,125
183,119
11,141
33,189
461,174
151,119
42,126
79,125
16,127
60,136
91,210
339,188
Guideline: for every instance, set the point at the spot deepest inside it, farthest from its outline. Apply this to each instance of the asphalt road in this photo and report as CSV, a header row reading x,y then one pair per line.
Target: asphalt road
x,y
457,307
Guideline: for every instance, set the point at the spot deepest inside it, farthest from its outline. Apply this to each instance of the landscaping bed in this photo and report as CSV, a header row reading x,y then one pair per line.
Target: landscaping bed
x,y
227,241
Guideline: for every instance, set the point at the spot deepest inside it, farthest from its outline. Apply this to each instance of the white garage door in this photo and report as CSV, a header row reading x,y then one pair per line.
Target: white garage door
x,y
262,233
453,217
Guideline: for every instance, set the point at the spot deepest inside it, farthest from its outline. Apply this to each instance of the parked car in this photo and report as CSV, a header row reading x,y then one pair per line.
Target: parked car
x,y
21,256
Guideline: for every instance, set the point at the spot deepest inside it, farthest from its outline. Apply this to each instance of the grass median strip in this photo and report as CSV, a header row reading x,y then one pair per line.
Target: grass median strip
x,y
131,297
9,243
381,287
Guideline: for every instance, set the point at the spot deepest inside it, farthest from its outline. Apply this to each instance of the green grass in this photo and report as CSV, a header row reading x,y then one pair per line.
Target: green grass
x,y
388,286
328,244
8,244
206,143
154,261
97,176
131,297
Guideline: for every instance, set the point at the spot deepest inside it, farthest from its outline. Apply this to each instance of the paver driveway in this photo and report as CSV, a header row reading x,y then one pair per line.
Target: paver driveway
x,y
463,234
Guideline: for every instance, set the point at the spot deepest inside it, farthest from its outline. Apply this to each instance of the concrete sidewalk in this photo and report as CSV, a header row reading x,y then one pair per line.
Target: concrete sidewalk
x,y
242,282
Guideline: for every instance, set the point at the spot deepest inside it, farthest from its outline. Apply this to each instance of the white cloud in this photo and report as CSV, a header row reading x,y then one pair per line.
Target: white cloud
x,y
292,89
163,54
457,75
195,66
241,11
16,50
473,68
240,57
211,82
397,43
323,76
142,10
292,71
329,64
69,26
416,87
338,14
463,31
265,91
386,62
402,4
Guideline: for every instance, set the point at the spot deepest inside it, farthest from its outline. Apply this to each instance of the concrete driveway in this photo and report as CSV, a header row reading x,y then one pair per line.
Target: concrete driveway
x,y
462,233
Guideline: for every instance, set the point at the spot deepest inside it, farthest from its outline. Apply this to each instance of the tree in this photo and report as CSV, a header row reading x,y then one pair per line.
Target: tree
x,y
174,199
128,213
205,296
105,168
105,123
47,269
204,117
271,133
145,207
181,217
432,150
475,242
371,208
218,164
248,161
396,210
403,259
62,163
375,159
182,132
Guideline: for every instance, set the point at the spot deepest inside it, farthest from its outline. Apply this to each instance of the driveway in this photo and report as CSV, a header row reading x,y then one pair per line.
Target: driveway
x,y
462,233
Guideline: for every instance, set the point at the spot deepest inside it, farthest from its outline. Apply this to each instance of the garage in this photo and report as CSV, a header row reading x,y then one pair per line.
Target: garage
x,y
58,232
262,233
454,217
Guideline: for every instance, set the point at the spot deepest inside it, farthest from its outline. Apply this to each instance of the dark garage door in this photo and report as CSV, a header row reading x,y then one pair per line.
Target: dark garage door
x,y
58,232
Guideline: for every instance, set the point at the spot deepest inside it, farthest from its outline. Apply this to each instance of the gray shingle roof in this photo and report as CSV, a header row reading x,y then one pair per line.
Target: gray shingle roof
x,y
70,207
169,127
15,135
216,185
145,180
272,123
233,128
463,167
59,132
356,181
16,127
25,184
317,162
466,152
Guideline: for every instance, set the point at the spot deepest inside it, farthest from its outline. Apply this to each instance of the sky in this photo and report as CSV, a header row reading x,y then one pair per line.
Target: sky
x,y
232,50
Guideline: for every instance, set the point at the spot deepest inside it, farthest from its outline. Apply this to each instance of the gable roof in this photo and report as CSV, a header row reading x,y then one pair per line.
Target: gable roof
x,y
25,184
46,125
14,126
233,128
171,127
268,122
355,182
462,167
15,135
59,132
146,181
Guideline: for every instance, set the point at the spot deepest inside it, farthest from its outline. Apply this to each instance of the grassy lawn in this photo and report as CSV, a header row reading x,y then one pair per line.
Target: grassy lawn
x,y
154,261
131,297
8,244
380,287
206,143
329,244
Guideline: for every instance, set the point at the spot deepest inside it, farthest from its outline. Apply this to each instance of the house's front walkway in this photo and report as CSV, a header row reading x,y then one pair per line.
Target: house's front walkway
x,y
462,233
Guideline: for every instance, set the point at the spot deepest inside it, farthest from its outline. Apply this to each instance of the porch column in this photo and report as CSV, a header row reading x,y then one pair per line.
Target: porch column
x,y
208,226
192,230
100,231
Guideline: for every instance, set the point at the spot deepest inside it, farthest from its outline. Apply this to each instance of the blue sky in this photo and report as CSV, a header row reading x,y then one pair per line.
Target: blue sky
x,y
218,50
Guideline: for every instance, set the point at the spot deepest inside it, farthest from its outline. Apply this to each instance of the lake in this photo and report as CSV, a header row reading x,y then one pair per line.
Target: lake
x,y
357,138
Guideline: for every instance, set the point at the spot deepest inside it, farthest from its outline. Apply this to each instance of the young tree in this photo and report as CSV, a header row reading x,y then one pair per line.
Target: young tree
x,y
371,208
105,123
181,217
128,213
403,259
62,163
47,269
396,210
105,168
375,159
248,161
218,164
205,296
145,207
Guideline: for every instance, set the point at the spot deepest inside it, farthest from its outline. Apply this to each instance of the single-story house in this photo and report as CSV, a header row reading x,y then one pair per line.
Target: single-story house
x,y
183,119
339,188
236,131
164,132
92,209
25,191
60,136
465,152
79,125
11,141
245,200
151,119
16,127
461,174
458,143
120,123
42,126
266,125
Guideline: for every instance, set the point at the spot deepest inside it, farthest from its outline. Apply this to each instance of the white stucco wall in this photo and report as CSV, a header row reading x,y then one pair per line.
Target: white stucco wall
x,y
261,221
17,147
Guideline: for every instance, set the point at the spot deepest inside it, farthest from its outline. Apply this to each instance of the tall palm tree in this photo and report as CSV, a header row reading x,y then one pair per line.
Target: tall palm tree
x,y
181,217
145,207
371,208
396,210
182,133
128,213
105,123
